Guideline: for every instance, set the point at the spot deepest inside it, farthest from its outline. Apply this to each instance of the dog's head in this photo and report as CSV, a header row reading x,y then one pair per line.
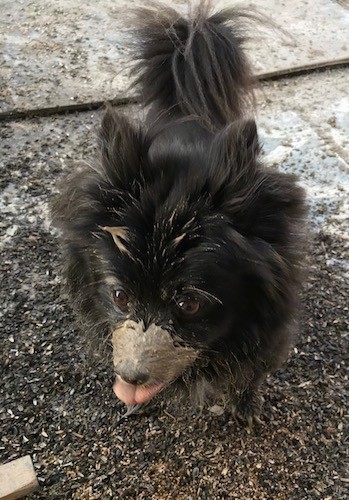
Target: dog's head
x,y
180,247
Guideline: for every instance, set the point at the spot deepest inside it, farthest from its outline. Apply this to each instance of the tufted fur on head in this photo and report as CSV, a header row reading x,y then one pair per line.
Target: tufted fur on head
x,y
182,249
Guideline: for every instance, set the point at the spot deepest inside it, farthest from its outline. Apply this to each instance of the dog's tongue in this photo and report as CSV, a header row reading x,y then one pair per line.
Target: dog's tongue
x,y
134,394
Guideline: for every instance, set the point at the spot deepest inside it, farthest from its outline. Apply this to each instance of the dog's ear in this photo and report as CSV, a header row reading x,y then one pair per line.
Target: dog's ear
x,y
122,147
259,202
233,158
242,142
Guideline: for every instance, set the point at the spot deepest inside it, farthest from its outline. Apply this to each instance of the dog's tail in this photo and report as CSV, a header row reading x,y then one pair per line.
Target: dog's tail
x,y
194,66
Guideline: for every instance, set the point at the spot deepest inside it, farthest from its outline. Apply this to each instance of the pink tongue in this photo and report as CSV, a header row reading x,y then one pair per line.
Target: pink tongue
x,y
134,394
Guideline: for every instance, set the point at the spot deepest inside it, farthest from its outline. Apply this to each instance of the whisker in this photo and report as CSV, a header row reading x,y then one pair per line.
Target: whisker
x,y
204,293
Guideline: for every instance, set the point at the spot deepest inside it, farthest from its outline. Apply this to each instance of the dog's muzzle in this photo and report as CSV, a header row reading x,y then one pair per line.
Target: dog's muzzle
x,y
146,361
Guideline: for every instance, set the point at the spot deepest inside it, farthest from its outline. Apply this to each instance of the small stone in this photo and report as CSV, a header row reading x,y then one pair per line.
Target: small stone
x,y
216,410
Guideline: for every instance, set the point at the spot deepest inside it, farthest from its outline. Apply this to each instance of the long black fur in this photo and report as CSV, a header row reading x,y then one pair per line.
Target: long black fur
x,y
201,211
196,66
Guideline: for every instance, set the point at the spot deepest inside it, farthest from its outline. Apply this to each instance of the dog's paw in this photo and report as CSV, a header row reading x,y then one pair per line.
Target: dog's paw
x,y
248,409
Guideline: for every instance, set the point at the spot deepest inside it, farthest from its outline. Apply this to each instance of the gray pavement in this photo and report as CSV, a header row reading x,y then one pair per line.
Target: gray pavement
x,y
58,52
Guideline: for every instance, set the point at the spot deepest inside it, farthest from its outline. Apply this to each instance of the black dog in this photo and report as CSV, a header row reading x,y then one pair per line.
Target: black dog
x,y
182,250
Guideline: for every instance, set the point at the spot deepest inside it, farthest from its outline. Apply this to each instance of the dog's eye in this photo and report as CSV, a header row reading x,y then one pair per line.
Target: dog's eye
x,y
188,307
120,298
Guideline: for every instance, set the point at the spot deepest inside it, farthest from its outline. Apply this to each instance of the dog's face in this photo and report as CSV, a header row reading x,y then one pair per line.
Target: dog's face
x,y
167,296
171,247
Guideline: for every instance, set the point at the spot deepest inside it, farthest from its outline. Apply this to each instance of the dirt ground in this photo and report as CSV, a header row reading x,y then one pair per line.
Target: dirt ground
x,y
60,409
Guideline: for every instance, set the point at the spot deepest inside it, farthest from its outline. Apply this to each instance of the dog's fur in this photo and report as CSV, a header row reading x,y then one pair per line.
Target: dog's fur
x,y
182,209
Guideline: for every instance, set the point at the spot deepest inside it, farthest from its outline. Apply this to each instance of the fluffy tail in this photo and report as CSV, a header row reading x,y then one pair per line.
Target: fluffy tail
x,y
194,66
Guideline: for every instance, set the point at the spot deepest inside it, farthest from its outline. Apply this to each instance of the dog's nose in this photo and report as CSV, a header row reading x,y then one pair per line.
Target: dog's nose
x,y
132,375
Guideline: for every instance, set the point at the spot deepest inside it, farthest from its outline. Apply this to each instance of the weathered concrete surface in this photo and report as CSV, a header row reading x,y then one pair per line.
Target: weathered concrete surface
x,y
304,125
60,51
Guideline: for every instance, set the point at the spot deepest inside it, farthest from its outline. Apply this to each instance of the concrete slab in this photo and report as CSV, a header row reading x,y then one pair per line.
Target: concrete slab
x,y
304,126
60,51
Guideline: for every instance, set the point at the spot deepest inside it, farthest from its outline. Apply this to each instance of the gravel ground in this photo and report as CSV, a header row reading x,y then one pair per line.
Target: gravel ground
x,y
60,409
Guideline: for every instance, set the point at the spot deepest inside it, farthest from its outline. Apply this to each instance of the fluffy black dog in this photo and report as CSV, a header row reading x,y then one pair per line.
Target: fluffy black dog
x,y
182,250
